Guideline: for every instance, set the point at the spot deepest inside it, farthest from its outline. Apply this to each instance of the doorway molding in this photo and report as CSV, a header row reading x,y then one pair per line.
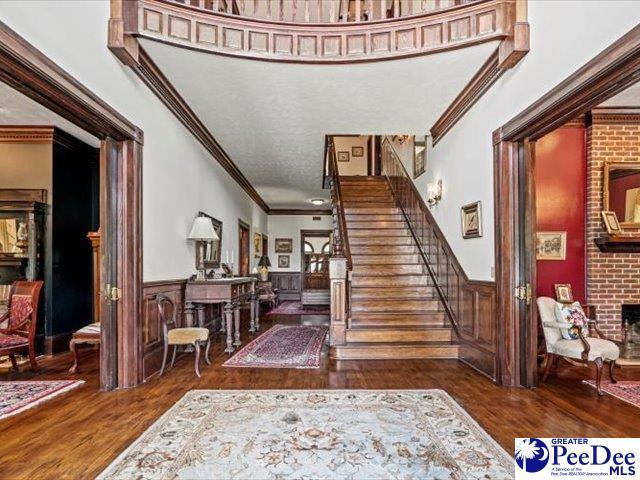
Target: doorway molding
x,y
607,74
32,73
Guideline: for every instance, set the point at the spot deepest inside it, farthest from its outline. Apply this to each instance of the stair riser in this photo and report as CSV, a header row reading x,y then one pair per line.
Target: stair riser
x,y
375,225
383,250
387,270
393,292
374,218
393,306
386,259
370,210
382,241
374,335
382,352
390,281
391,232
434,322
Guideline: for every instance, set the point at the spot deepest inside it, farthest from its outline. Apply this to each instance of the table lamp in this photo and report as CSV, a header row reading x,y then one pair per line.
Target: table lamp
x,y
264,265
202,231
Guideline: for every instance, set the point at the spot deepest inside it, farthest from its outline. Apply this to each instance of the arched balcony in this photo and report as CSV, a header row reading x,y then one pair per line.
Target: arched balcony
x,y
323,31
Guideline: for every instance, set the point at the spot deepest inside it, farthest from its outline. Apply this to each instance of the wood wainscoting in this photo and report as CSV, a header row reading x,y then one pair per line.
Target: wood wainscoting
x,y
287,283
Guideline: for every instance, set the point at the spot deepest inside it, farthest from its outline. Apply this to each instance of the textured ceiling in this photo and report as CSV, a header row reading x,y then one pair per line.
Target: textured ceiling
x,y
18,109
271,118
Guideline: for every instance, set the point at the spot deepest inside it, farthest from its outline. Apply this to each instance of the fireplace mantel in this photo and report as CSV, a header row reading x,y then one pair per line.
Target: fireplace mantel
x,y
618,244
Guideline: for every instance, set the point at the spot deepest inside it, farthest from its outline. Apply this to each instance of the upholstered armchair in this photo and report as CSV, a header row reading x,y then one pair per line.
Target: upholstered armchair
x,y
22,318
583,348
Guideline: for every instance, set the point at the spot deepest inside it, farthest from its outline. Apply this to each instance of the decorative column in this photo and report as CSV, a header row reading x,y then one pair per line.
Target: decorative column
x,y
339,302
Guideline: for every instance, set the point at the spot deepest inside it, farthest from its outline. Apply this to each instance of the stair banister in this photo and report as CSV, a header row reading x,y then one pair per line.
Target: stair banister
x,y
340,260
421,223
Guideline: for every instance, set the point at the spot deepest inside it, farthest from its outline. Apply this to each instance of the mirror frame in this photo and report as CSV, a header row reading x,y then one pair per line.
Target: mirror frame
x,y
608,168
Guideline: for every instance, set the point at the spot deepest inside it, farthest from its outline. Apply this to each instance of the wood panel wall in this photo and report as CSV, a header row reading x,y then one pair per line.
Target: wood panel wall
x,y
287,283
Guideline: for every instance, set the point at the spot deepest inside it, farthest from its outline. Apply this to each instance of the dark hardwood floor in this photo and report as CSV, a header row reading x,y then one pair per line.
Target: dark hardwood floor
x,y
79,433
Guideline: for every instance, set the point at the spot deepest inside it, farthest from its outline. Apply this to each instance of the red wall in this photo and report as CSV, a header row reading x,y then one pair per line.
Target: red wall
x,y
561,181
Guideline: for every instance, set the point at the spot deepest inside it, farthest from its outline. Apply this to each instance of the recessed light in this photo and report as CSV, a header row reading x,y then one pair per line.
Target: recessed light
x,y
317,201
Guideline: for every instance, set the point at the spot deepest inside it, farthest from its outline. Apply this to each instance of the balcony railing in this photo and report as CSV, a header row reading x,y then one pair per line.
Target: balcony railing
x,y
324,11
321,31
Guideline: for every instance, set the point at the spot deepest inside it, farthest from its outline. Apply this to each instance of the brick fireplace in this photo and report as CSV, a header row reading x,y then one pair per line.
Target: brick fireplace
x,y
613,279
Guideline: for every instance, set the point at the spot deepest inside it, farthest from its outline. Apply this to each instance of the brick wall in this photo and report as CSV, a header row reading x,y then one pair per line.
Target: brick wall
x,y
612,278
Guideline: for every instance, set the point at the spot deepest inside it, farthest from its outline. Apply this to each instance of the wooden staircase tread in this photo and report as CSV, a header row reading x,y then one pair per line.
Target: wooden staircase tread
x,y
434,343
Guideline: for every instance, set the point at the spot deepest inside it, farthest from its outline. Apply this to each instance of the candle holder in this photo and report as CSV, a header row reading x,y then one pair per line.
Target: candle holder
x,y
231,268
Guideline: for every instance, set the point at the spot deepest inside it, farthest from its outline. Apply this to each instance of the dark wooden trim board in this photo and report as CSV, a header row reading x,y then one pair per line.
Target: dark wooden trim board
x,y
607,74
615,115
29,71
297,211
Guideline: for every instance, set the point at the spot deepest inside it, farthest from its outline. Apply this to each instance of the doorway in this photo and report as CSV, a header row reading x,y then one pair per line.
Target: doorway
x,y
315,250
244,248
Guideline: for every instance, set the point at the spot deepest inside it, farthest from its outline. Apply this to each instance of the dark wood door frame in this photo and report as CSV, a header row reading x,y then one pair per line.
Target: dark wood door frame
x,y
29,71
303,235
244,248
608,73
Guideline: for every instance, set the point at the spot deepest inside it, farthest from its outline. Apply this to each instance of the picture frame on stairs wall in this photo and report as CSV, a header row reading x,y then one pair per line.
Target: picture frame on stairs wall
x,y
472,220
419,157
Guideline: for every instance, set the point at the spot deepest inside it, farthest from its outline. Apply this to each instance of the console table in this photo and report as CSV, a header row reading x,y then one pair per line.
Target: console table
x,y
231,292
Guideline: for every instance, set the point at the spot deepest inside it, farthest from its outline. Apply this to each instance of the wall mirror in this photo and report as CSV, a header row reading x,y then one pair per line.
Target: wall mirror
x,y
622,192
10,231
212,249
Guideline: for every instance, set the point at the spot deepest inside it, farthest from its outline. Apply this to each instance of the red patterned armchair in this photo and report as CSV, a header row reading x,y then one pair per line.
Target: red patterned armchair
x,y
22,316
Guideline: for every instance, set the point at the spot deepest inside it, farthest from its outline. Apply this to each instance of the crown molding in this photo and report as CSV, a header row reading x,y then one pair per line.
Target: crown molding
x,y
26,134
297,211
615,116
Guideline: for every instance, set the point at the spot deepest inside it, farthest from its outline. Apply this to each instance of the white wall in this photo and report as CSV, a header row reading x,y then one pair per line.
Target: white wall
x,y
289,226
355,165
179,176
564,36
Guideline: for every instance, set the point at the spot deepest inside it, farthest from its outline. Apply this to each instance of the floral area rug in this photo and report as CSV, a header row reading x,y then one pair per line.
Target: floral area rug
x,y
624,390
283,346
303,434
291,307
16,397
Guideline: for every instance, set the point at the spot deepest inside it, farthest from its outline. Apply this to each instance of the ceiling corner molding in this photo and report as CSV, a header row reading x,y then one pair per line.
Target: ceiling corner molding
x,y
511,50
26,134
297,211
127,49
615,116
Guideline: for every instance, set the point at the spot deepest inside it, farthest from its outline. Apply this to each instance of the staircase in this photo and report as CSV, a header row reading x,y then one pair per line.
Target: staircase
x,y
395,310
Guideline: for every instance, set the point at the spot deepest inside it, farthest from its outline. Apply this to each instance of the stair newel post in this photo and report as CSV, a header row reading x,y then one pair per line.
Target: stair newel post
x,y
339,302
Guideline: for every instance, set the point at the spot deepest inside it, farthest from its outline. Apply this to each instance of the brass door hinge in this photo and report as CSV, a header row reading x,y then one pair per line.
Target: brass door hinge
x,y
113,293
523,292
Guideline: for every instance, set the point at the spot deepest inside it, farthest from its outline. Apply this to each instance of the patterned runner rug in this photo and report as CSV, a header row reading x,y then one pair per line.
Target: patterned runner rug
x,y
16,397
624,390
343,434
291,307
283,346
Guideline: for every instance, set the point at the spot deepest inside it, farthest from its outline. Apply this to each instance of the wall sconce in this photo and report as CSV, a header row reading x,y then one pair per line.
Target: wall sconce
x,y
434,193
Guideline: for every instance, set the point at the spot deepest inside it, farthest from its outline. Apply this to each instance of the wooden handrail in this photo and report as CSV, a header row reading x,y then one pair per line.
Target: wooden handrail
x,y
340,235
432,245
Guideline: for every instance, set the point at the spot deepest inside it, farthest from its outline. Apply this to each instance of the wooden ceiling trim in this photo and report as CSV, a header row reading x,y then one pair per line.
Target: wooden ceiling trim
x,y
615,116
297,211
26,134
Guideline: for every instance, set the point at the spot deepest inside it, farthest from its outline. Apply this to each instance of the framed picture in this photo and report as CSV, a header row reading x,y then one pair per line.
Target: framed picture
x,y
212,249
343,156
564,293
357,151
472,220
551,245
257,245
419,157
283,261
284,245
611,223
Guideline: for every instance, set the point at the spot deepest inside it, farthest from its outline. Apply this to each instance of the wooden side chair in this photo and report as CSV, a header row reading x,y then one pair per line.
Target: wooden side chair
x,y
22,316
268,294
584,349
180,336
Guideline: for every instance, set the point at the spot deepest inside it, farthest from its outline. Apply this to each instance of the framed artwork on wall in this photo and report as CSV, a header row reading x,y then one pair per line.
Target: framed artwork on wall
x,y
472,220
283,261
419,157
257,245
611,223
357,151
284,245
551,246
564,293
343,156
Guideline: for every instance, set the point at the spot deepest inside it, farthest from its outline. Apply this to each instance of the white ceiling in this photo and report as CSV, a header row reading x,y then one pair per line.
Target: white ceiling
x,y
629,97
18,109
271,118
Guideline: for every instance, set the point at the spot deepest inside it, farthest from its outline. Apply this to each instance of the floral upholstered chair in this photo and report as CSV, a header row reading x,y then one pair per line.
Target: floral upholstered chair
x,y
566,334
21,317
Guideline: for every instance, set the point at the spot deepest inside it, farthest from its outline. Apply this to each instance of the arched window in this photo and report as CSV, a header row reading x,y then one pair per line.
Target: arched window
x,y
326,248
308,248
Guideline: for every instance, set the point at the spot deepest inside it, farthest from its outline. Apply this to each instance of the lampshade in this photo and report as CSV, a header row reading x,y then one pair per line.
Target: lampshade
x,y
264,261
202,229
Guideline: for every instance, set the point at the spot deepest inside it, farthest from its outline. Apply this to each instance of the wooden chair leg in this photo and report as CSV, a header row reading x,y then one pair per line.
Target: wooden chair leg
x,y
548,363
598,362
173,357
164,358
206,352
74,350
197,361
612,366
32,357
14,364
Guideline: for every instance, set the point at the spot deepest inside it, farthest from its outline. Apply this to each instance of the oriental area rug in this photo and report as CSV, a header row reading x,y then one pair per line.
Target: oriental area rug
x,y
627,391
283,346
16,397
291,307
322,434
